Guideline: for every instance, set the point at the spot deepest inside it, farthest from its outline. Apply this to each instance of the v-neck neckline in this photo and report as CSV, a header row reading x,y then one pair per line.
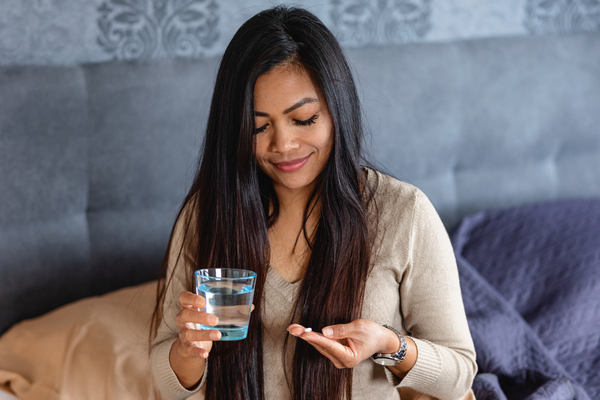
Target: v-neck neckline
x,y
290,289
285,288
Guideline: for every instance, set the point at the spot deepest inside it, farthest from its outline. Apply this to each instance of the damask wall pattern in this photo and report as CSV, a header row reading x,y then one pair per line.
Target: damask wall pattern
x,y
562,16
132,29
360,23
81,31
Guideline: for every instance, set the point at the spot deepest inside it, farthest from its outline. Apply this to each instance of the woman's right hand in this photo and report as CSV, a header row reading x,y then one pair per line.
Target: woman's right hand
x,y
194,342
190,350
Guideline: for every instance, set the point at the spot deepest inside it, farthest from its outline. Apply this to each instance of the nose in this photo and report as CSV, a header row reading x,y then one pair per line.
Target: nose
x,y
283,139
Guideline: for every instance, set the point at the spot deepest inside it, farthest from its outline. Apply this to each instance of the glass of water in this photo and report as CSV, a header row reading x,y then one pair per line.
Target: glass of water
x,y
228,293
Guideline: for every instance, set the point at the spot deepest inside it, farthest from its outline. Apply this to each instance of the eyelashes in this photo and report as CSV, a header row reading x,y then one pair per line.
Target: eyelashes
x,y
307,122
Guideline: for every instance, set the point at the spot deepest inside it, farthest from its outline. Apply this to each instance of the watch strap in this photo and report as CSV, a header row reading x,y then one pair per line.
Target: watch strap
x,y
396,357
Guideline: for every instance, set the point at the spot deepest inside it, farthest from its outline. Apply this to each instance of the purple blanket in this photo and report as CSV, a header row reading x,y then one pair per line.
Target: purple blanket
x,y
530,278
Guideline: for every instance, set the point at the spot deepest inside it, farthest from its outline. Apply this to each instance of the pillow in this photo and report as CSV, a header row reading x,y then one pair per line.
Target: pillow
x,y
95,348
543,262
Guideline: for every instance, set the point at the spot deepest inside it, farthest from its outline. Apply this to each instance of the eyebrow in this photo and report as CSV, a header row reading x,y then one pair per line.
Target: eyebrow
x,y
288,110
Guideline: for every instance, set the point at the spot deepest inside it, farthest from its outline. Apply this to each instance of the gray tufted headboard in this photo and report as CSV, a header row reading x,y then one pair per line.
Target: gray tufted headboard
x,y
487,123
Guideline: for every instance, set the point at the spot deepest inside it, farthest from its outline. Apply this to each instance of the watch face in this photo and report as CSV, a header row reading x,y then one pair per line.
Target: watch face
x,y
388,362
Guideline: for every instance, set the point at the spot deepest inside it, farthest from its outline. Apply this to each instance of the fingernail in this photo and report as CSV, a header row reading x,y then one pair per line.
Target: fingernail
x,y
327,332
189,325
215,335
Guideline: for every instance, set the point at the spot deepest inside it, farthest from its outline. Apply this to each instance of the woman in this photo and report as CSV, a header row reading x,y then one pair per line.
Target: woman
x,y
337,248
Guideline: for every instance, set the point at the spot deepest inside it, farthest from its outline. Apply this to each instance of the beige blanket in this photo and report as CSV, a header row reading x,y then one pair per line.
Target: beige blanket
x,y
96,348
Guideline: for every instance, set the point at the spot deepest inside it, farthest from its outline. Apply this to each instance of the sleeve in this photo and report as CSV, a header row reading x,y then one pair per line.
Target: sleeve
x,y
431,303
164,376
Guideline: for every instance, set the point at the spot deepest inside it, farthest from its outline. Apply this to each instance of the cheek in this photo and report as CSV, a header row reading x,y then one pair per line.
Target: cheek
x,y
325,142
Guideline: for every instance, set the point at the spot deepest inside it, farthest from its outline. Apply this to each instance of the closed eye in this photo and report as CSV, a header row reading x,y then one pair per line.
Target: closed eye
x,y
261,129
307,122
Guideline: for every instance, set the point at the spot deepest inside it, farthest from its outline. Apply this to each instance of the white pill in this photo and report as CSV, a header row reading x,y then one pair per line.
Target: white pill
x,y
308,330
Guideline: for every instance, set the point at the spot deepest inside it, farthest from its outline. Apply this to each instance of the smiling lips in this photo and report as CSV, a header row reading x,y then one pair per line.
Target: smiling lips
x,y
293,165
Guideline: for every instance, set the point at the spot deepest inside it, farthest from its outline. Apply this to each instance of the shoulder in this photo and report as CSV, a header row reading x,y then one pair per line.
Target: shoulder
x,y
402,214
395,198
388,186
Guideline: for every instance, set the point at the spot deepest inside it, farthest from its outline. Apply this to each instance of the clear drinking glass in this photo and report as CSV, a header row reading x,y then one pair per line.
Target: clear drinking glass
x,y
228,293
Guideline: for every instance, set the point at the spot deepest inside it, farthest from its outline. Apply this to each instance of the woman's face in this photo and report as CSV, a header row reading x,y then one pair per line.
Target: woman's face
x,y
294,130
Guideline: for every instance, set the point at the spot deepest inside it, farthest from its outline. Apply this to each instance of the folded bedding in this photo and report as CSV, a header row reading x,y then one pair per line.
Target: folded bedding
x,y
95,348
530,278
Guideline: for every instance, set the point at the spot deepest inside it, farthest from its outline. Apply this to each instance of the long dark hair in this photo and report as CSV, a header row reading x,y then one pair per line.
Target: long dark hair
x,y
231,198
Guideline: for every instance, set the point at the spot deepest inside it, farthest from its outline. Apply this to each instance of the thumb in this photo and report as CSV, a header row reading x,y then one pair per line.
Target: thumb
x,y
336,331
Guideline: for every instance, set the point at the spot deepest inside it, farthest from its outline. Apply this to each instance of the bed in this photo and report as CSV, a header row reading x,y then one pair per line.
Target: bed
x,y
502,134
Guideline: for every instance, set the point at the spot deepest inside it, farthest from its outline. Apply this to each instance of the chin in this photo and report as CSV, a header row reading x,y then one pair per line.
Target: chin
x,y
294,183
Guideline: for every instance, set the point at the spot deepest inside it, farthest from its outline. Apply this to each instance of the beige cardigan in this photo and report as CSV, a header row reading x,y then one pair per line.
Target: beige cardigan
x,y
413,284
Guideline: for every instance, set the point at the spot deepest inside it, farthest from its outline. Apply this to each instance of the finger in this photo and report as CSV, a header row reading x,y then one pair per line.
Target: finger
x,y
339,357
358,329
190,335
186,316
196,343
192,349
191,300
336,352
327,345
296,329
197,349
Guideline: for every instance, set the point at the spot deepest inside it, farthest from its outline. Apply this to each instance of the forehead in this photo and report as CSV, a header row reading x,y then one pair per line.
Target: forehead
x,y
284,84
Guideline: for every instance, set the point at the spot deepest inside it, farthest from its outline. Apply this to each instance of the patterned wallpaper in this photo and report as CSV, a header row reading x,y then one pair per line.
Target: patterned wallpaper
x,y
76,31
130,29
361,23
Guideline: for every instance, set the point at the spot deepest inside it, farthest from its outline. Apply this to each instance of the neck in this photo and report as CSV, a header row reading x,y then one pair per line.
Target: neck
x,y
292,205
293,201
290,236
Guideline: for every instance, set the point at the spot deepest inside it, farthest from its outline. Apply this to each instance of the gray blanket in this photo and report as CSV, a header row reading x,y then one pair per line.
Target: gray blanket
x,y
530,278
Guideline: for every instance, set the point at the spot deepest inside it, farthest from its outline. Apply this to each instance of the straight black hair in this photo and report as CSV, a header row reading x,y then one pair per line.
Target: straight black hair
x,y
231,197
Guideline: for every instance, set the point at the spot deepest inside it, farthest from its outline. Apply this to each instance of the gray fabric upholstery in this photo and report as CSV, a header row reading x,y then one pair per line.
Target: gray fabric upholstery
x,y
44,246
95,160
487,123
146,124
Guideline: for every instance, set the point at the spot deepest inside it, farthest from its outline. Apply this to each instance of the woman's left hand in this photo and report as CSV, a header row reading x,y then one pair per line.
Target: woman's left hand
x,y
346,345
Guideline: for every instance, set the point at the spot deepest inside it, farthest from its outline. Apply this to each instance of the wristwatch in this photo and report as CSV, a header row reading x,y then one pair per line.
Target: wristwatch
x,y
391,359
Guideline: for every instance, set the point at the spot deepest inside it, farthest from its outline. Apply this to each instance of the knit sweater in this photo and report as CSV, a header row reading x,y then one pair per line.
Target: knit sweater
x,y
413,286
